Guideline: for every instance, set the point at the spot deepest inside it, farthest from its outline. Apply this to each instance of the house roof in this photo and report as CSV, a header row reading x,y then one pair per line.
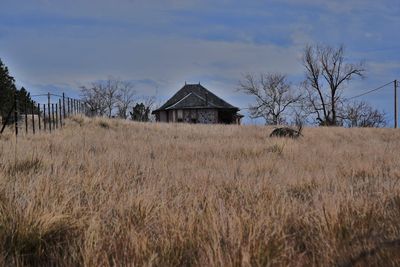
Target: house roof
x,y
195,96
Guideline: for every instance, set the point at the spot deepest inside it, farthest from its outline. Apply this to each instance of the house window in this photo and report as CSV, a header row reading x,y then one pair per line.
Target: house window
x,y
180,114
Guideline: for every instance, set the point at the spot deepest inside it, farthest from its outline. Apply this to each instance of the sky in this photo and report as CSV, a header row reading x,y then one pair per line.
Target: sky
x,y
61,45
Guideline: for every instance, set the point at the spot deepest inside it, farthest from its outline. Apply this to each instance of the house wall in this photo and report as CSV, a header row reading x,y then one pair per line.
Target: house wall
x,y
190,115
238,120
228,117
163,116
171,116
207,116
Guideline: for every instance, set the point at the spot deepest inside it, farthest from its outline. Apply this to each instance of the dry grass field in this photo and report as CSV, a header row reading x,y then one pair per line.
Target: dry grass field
x,y
113,193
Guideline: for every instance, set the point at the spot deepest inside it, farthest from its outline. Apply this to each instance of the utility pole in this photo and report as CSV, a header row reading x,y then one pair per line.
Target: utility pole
x,y
395,104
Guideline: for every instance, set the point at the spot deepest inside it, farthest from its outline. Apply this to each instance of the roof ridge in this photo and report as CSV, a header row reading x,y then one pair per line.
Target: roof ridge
x,y
209,92
205,100
176,103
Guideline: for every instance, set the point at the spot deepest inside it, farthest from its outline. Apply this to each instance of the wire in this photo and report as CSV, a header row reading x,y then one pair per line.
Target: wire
x,y
353,97
370,91
46,95
49,94
38,95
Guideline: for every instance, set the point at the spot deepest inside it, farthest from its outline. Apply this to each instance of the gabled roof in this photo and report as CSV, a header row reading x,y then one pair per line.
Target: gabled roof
x,y
195,96
192,100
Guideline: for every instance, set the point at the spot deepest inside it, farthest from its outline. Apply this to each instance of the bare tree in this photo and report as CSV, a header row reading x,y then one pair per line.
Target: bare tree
x,y
361,114
327,73
103,97
111,94
125,98
150,102
94,99
274,95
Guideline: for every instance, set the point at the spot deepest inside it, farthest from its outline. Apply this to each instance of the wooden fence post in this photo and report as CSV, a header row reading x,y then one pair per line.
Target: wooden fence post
x,y
395,105
52,116
49,108
33,117
26,115
40,126
56,105
60,107
44,117
63,100
16,112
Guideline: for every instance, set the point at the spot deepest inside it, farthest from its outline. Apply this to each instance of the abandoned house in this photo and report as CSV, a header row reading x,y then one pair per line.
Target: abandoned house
x,y
195,104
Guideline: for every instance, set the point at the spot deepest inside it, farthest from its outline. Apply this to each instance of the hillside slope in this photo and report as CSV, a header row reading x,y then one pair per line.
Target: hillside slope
x,y
107,192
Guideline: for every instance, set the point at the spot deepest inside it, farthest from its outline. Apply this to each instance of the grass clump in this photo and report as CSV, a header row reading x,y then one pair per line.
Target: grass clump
x,y
23,166
78,119
104,124
34,239
276,149
302,191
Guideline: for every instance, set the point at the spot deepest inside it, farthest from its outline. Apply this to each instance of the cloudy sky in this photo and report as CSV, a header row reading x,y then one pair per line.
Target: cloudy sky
x,y
59,45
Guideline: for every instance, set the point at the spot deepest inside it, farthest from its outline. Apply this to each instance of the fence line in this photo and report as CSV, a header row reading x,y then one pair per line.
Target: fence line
x,y
52,114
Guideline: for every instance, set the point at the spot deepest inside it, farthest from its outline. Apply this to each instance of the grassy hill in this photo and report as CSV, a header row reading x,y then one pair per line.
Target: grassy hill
x,y
107,192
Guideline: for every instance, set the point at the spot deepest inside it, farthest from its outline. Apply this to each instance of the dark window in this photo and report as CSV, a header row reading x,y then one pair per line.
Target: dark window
x,y
226,116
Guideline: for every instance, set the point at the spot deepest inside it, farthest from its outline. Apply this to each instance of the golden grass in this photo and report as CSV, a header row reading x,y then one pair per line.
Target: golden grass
x,y
113,193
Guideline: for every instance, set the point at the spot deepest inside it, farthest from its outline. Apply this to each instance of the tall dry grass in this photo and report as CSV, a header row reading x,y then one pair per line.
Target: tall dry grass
x,y
112,193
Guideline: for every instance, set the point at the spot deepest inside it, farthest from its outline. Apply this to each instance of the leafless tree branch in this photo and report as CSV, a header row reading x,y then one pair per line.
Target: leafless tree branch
x,y
273,96
327,73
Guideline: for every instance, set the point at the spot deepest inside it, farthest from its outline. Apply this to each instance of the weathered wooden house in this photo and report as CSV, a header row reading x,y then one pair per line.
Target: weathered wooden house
x,y
195,104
